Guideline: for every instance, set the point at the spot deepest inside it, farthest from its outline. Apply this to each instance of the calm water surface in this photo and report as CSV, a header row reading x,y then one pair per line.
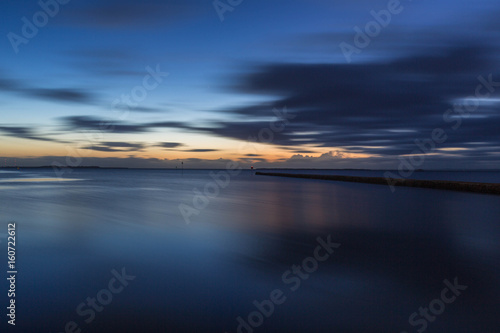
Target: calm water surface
x,y
396,250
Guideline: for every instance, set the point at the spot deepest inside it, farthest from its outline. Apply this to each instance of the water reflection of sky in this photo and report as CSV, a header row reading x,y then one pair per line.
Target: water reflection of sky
x,y
36,180
396,251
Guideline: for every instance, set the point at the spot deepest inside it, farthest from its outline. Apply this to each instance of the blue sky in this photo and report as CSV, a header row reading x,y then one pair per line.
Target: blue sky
x,y
226,77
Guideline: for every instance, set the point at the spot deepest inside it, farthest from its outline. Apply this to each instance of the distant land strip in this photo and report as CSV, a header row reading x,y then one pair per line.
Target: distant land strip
x,y
486,188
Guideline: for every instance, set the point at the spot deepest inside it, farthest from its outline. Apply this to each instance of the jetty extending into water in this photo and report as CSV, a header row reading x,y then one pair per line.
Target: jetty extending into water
x,y
486,188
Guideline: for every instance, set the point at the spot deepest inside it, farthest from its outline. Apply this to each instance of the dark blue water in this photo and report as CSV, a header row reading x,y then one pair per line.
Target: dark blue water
x,y
396,249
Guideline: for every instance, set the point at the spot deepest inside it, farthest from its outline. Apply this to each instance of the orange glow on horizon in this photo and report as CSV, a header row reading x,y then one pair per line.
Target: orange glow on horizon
x,y
252,153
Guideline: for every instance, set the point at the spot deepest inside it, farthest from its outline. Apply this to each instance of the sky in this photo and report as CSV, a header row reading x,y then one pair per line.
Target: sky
x,y
285,84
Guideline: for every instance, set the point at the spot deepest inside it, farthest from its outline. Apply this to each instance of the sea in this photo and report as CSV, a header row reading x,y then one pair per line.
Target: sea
x,y
131,250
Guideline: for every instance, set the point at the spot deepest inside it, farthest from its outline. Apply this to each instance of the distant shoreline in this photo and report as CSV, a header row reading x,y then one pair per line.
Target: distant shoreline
x,y
484,188
266,169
